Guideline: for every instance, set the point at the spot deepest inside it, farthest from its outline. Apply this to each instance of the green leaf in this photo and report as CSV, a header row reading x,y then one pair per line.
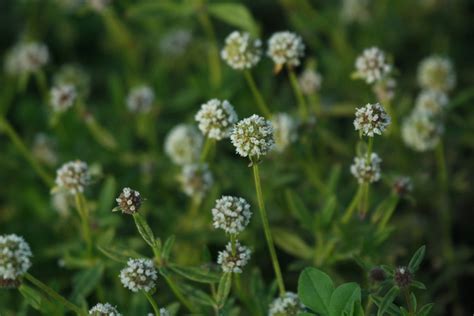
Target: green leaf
x,y
224,288
328,210
357,309
415,261
117,254
195,274
392,309
165,254
343,299
418,285
234,14
425,310
315,289
413,301
387,300
196,295
86,281
292,243
404,311
144,229
32,296
299,210
153,8
107,195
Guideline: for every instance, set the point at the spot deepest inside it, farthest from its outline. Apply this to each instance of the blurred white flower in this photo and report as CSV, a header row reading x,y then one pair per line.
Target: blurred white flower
x,y
385,89
15,255
99,5
62,97
355,11
73,176
73,75
241,51
286,48
286,305
436,73
231,214
366,171
253,137
216,119
284,130
234,262
140,274
140,99
431,102
371,119
310,81
44,149
402,185
176,42
372,65
26,57
183,144
196,180
104,310
421,131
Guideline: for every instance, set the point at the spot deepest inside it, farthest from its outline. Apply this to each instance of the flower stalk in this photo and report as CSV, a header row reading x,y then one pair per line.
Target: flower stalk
x,y
302,106
257,95
152,303
83,211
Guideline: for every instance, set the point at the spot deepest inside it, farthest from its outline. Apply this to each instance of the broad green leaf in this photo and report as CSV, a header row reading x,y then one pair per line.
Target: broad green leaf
x,y
224,288
292,243
392,309
86,281
425,310
357,309
195,274
315,289
387,300
416,260
343,298
418,285
144,229
32,296
234,14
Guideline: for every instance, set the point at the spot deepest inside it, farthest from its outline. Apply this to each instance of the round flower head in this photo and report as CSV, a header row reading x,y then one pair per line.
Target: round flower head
x,y
372,65
371,119
27,57
431,102
63,97
183,144
253,137
402,277
175,42
366,171
196,179
231,214
140,99
385,89
287,305
129,201
310,81
140,274
355,11
284,130
421,131
241,51
436,73
402,186
234,263
73,176
75,76
44,149
104,310
216,118
15,261
285,48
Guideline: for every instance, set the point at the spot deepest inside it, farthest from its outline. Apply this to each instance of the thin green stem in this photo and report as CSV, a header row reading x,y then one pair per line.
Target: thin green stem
x,y
266,229
352,206
213,55
208,143
257,95
302,106
177,292
152,303
16,140
83,211
54,295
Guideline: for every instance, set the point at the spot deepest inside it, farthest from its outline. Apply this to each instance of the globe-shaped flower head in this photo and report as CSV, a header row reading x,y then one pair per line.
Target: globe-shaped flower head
x,y
231,214
15,261
140,99
73,176
183,144
140,274
253,137
241,51
371,119
196,179
287,305
63,97
104,310
310,81
372,65
285,48
129,201
431,102
421,131
216,118
26,57
366,171
234,262
284,130
436,73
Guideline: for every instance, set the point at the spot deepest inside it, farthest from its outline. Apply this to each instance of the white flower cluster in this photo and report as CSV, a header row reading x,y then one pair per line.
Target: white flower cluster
x,y
44,149
403,185
241,51
355,11
73,75
366,171
372,65
436,73
104,310
26,57
73,176
234,261
286,48
310,81
371,119
183,144
231,214
421,131
175,42
216,118
129,201
140,274
140,99
196,179
284,130
253,137
287,305
385,89
62,97
431,102
15,257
